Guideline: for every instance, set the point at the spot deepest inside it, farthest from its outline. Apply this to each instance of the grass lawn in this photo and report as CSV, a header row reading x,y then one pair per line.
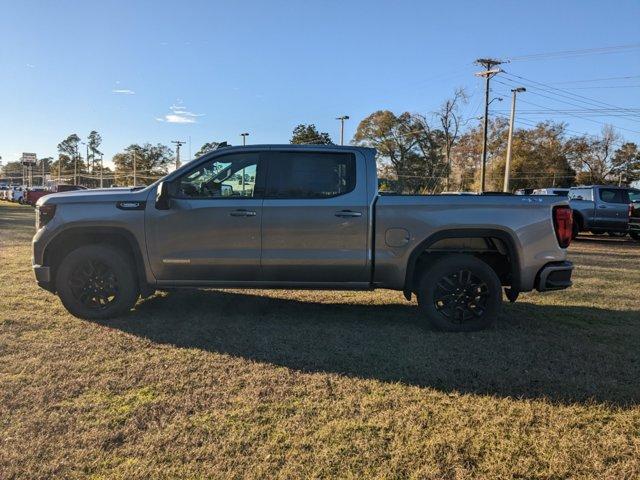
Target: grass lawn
x,y
297,384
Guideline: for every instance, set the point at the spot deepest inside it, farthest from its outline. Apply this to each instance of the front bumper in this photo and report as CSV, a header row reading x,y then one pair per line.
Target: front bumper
x,y
634,226
554,276
43,276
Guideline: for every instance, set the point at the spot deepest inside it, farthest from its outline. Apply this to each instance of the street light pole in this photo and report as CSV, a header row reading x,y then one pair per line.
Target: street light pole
x,y
101,170
507,165
75,167
342,119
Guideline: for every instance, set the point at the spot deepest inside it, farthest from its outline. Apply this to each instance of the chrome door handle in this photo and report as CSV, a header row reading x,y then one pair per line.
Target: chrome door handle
x,y
347,214
243,213
602,206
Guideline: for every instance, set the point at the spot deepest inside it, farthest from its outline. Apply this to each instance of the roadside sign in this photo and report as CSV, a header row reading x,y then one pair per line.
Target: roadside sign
x,y
29,158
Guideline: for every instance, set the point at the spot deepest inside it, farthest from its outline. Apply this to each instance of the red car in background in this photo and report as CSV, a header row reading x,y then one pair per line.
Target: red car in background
x,y
32,196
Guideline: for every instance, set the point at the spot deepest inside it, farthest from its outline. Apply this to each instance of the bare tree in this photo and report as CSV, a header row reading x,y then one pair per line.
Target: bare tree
x,y
451,123
593,157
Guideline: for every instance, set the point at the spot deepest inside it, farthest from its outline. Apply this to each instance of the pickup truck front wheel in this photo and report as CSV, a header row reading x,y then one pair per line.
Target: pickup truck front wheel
x,y
460,293
96,282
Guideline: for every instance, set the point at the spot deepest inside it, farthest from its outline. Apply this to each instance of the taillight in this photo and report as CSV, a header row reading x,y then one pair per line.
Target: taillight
x,y
563,224
44,214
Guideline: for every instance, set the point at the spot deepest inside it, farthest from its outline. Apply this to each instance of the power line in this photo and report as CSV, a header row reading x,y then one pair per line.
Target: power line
x,y
597,79
576,53
593,102
572,104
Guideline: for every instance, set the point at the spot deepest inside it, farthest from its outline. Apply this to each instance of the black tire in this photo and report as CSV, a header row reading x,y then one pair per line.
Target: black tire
x,y
473,288
97,282
617,234
575,230
635,236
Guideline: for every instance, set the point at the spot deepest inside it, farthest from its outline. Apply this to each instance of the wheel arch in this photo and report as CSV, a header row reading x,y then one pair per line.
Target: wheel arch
x,y
71,238
422,248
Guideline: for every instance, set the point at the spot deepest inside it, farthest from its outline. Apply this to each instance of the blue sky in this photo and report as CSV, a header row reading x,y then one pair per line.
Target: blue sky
x,y
131,69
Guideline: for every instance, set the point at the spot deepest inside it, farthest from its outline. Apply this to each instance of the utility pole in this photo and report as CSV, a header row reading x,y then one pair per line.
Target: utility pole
x,y
87,145
514,92
178,144
133,154
101,169
42,162
244,144
488,73
342,119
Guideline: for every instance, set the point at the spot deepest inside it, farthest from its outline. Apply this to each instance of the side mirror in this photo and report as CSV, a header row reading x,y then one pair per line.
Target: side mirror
x,y
163,200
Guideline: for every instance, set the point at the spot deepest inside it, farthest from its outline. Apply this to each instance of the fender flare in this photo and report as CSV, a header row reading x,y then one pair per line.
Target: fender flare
x,y
99,231
507,238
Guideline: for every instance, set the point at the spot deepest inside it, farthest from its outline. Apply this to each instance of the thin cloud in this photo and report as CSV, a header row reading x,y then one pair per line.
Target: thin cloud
x,y
123,91
30,65
179,114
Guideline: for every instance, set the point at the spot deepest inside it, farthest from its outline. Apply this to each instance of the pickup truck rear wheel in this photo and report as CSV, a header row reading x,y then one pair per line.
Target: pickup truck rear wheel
x,y
96,282
460,293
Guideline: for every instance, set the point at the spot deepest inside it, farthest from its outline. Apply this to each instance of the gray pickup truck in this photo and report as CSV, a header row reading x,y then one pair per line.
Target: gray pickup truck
x,y
601,208
309,217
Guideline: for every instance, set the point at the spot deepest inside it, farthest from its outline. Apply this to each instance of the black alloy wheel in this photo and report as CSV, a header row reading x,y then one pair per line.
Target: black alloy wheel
x,y
97,282
460,293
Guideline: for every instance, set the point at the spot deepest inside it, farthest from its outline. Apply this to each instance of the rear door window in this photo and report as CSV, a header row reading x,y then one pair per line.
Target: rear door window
x,y
310,175
610,195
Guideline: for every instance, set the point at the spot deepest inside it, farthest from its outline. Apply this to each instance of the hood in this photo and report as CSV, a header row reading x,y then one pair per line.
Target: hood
x,y
104,195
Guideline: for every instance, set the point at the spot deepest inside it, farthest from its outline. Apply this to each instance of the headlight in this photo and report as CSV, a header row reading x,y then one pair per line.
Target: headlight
x,y
44,214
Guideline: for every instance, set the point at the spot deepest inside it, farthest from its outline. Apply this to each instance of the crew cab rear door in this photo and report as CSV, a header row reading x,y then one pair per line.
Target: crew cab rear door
x,y
315,218
211,231
612,208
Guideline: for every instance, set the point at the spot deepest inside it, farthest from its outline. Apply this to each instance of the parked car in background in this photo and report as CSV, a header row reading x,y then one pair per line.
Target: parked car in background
x,y
601,209
561,192
16,193
299,216
634,219
523,191
35,194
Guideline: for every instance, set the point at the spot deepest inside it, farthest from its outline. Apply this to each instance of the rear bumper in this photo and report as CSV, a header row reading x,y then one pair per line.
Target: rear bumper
x,y
554,276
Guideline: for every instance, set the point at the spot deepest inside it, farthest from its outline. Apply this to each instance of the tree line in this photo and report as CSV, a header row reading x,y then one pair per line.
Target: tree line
x,y
417,153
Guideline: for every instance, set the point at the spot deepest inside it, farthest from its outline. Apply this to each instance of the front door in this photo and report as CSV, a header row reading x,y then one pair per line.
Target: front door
x,y
211,232
315,218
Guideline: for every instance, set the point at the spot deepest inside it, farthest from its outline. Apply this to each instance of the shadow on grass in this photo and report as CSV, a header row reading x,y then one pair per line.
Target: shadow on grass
x,y
562,353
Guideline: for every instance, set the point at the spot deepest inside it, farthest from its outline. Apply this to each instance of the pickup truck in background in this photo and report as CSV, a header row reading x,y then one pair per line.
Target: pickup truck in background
x,y
561,192
601,208
299,217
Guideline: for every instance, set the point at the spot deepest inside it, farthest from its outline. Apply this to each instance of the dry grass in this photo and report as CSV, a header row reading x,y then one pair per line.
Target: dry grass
x,y
281,384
